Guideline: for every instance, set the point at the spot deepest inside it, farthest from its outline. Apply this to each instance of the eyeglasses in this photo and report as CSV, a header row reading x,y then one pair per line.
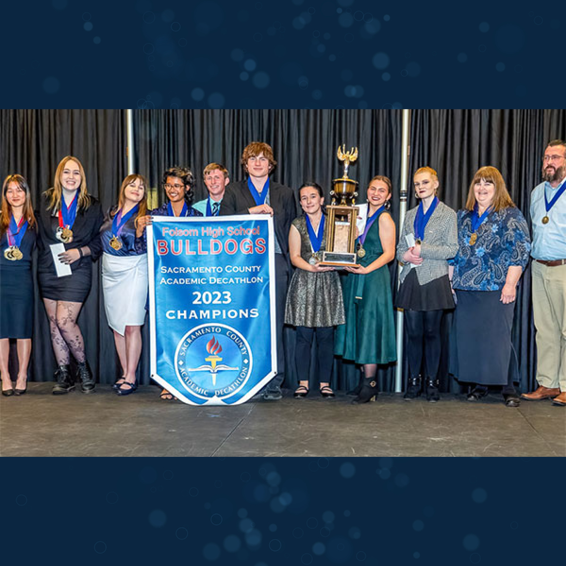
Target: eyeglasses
x,y
552,157
175,186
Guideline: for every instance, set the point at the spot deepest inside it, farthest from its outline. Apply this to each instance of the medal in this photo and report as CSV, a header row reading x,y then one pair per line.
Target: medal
x,y
15,234
422,218
473,239
548,205
369,222
477,220
418,242
115,243
65,235
545,220
361,252
312,260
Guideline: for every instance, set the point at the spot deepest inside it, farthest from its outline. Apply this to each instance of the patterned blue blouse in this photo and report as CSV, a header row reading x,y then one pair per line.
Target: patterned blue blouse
x,y
502,240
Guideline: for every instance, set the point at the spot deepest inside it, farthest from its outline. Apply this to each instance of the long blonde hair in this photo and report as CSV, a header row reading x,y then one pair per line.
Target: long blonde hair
x,y
142,210
6,214
54,193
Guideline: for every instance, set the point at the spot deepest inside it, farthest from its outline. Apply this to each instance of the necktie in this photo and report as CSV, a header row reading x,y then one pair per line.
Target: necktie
x,y
215,208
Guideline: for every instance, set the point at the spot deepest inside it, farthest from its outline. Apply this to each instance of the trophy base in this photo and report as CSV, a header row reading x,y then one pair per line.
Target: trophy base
x,y
339,259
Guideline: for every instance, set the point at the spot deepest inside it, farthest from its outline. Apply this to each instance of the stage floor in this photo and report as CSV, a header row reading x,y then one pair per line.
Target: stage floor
x,y
103,424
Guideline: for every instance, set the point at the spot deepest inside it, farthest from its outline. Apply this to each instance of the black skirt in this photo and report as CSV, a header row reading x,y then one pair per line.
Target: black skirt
x,y
481,347
16,298
434,296
73,288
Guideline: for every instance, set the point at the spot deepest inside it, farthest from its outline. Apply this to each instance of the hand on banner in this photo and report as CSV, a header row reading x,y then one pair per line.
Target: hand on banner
x,y
410,257
70,256
141,224
261,209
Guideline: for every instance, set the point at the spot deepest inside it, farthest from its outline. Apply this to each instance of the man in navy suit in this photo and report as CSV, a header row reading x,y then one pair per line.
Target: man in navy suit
x,y
260,195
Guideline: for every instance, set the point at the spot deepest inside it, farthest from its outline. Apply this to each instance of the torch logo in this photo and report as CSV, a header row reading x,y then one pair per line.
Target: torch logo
x,y
219,375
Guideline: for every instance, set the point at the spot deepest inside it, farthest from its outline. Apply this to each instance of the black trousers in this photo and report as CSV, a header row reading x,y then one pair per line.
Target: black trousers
x,y
324,354
423,340
281,285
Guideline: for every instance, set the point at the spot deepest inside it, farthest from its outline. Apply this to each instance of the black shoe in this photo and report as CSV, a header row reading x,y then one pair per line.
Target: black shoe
x,y
414,388
511,399
477,393
126,388
84,375
432,394
20,391
7,392
273,393
357,389
65,382
327,392
301,392
368,392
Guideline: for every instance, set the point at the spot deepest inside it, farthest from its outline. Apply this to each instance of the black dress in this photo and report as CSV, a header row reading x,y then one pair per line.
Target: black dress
x,y
16,290
86,232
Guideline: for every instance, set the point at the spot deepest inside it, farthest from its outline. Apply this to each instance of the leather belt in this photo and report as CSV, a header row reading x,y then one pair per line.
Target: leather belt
x,y
552,262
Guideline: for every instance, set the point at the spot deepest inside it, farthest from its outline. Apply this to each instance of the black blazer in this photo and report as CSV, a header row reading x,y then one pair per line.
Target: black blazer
x,y
238,200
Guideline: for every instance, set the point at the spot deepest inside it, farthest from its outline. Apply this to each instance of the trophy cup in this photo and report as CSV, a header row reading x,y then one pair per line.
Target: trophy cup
x,y
342,216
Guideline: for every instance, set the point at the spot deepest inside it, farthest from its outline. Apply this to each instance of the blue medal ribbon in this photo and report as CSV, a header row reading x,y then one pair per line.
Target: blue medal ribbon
x,y
477,220
316,239
259,198
67,215
209,211
369,222
558,194
422,218
184,212
119,220
16,232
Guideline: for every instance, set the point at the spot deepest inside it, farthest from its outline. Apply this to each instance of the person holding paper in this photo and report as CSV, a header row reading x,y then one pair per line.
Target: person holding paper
x,y
494,246
125,278
178,183
258,194
69,221
429,238
314,301
17,242
368,337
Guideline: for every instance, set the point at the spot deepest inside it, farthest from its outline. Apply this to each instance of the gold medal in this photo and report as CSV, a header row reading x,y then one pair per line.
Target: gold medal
x,y
64,234
546,220
115,243
17,254
361,252
418,242
8,253
473,239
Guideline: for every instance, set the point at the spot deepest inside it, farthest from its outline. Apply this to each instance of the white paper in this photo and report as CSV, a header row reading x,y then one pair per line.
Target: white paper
x,y
62,269
410,239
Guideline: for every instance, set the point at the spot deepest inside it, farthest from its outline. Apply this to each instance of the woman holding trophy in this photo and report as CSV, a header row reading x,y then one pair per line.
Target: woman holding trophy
x,y
314,301
368,337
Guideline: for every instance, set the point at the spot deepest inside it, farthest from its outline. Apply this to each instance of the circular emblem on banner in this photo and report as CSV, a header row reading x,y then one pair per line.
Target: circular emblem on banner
x,y
213,360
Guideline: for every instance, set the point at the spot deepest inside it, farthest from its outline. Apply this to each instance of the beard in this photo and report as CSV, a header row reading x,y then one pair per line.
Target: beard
x,y
552,174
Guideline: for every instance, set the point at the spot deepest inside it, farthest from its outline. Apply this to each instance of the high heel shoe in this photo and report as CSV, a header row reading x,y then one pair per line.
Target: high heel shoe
x,y
368,392
20,391
7,392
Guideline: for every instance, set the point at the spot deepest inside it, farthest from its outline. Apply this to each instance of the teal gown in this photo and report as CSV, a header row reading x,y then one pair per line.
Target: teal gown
x,y
368,337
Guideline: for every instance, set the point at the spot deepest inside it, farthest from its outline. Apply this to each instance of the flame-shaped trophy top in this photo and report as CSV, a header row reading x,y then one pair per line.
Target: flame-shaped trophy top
x,y
347,157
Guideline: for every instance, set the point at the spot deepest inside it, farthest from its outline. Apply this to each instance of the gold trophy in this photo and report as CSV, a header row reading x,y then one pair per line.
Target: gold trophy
x,y
341,216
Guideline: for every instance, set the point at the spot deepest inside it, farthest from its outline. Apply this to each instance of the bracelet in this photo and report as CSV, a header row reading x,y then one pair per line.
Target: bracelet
x,y
81,253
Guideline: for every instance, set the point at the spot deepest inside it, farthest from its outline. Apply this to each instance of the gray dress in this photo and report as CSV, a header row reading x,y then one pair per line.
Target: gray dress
x,y
314,299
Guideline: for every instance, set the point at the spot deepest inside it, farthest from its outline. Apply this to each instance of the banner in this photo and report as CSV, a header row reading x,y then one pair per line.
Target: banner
x,y
212,307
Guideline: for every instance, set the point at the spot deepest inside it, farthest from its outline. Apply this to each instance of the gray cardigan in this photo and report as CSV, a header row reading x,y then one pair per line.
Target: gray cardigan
x,y
440,243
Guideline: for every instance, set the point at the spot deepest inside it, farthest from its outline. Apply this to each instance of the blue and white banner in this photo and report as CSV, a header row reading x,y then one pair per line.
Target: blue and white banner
x,y
212,307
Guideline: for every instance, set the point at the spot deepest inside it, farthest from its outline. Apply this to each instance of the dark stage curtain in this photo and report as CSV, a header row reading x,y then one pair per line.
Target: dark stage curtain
x,y
457,143
32,142
304,143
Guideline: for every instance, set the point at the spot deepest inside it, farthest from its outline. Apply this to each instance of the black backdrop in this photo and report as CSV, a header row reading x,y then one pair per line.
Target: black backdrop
x,y
455,142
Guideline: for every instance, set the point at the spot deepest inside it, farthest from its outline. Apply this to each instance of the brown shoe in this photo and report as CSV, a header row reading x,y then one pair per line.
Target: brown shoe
x,y
560,400
541,393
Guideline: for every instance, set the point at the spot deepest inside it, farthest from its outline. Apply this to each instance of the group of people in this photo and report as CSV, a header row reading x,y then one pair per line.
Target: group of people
x,y
470,261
